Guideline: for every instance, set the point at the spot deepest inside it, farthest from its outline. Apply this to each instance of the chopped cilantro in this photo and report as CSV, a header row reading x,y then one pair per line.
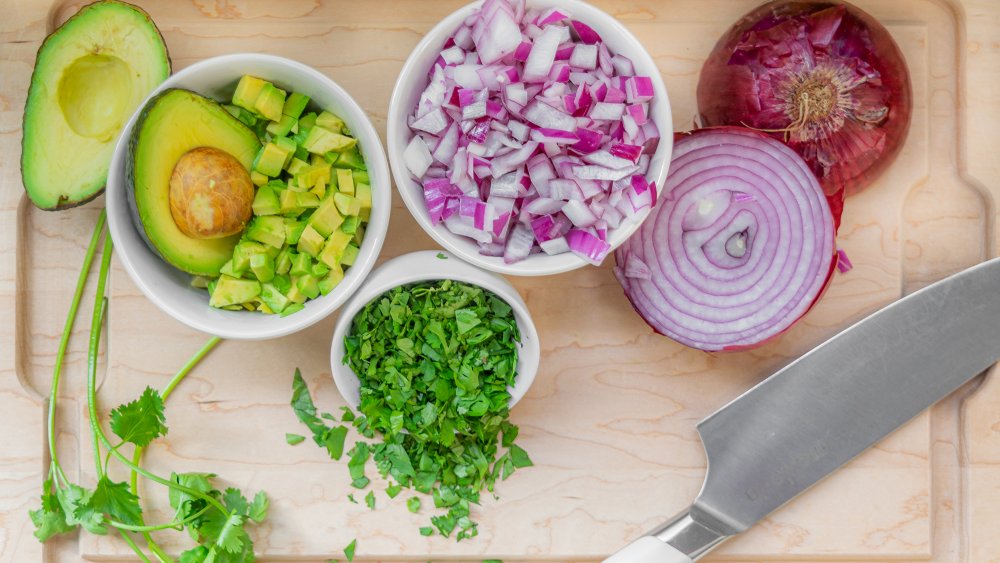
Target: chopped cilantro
x,y
294,439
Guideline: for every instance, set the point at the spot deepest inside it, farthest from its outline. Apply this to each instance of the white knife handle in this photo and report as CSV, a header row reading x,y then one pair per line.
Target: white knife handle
x,y
648,549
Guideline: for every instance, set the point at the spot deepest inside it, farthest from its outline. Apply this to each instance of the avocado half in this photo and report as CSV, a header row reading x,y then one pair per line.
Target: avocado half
x,y
172,123
90,75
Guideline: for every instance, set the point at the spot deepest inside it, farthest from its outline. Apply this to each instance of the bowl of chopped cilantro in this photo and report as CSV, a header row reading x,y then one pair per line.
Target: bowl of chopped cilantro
x,y
432,334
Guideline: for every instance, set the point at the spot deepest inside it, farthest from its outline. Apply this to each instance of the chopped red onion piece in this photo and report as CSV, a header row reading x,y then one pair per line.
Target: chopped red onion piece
x,y
584,56
417,157
629,152
585,33
601,173
579,213
843,262
639,89
519,244
433,122
606,111
608,160
544,115
501,38
587,246
554,246
543,54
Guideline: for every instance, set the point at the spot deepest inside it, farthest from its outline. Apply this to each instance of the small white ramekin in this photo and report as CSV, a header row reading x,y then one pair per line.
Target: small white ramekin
x,y
168,287
424,266
412,81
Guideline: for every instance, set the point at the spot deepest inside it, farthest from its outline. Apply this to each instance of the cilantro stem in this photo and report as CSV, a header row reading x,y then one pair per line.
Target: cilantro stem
x,y
99,437
131,543
176,524
81,283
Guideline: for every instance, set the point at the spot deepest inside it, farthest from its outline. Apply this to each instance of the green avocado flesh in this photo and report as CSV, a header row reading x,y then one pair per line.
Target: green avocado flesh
x,y
171,124
89,77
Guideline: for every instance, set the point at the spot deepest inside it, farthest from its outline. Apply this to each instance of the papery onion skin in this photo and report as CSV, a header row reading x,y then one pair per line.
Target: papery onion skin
x,y
754,77
671,269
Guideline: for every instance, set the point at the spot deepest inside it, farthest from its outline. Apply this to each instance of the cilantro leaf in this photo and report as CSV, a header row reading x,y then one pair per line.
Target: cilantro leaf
x,y
50,519
74,501
197,554
333,441
304,408
294,439
442,256
257,510
413,504
426,531
235,501
349,550
393,490
140,421
519,457
116,500
370,500
350,497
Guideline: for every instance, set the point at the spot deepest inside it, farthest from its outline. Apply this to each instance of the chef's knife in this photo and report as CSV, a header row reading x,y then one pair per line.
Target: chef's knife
x,y
816,414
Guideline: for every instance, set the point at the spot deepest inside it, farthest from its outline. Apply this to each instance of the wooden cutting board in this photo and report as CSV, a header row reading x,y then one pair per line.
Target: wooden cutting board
x,y
610,421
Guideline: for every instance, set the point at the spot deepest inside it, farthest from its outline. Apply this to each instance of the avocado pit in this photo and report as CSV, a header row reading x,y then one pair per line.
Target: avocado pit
x,y
211,195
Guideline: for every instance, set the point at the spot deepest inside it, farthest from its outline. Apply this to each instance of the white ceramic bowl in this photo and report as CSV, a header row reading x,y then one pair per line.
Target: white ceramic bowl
x,y
428,265
168,287
412,81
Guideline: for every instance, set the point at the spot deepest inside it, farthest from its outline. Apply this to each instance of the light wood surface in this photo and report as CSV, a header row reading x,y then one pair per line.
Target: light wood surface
x,y
610,421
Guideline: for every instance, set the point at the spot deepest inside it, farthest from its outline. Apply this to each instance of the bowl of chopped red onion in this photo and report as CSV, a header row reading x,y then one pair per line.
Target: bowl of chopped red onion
x,y
526,139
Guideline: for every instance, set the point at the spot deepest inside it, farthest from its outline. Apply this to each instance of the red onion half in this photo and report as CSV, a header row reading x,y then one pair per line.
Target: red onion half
x,y
823,76
740,247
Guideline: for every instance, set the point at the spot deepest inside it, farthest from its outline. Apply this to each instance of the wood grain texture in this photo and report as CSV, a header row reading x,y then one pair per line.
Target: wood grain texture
x,y
611,419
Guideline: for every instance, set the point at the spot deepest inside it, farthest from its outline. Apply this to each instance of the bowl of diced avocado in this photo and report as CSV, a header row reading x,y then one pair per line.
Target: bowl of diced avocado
x,y
249,196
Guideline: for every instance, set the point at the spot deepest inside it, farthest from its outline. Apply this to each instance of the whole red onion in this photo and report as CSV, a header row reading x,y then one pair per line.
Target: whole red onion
x,y
823,76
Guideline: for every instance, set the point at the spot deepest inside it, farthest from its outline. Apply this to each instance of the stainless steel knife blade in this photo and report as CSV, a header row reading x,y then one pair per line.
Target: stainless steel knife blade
x,y
820,411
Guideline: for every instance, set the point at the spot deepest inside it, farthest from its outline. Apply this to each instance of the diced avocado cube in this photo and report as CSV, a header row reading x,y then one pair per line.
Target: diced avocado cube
x,y
201,282
334,248
301,265
318,160
307,121
308,285
363,193
350,159
331,280
350,224
296,166
320,269
295,104
330,122
270,102
326,218
245,117
233,291
311,242
361,177
345,181
359,235
266,201
309,177
287,145
257,178
301,153
242,254
277,184
282,127
227,269
268,229
247,91
271,160
320,140
294,294
273,298
262,266
293,308
290,203
283,261
319,189
282,282
346,204
349,256
307,200
293,230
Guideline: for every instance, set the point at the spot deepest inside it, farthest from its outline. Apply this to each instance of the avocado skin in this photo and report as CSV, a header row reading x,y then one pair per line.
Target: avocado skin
x,y
153,238
35,80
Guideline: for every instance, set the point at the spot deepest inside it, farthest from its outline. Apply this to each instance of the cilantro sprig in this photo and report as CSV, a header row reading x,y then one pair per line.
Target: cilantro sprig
x,y
216,520
435,361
